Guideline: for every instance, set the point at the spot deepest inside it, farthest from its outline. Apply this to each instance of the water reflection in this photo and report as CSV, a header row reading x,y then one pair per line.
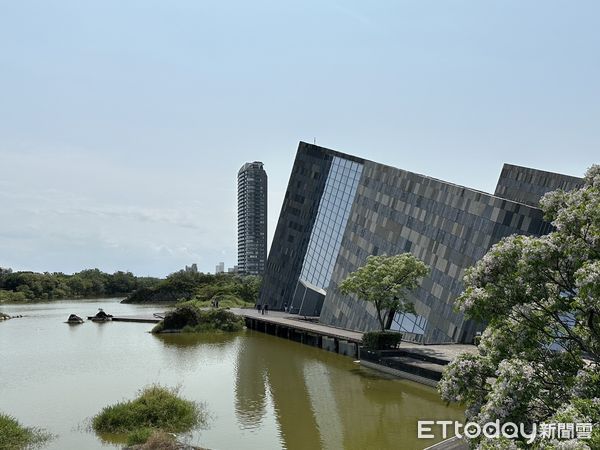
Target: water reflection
x,y
185,340
250,392
185,349
265,392
272,366
324,401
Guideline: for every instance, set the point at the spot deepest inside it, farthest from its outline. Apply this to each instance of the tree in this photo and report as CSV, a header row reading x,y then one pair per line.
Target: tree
x,y
538,360
384,281
248,287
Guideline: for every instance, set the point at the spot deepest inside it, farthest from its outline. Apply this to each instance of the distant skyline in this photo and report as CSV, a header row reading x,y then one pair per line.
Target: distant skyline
x,y
123,124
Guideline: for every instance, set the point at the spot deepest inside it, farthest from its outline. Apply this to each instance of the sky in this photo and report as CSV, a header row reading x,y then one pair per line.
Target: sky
x,y
123,123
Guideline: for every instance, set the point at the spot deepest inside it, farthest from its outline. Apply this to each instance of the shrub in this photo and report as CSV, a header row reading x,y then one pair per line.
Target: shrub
x,y
381,340
13,435
156,407
182,316
190,319
223,320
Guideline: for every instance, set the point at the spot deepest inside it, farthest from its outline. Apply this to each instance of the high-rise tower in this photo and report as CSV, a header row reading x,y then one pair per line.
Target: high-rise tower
x,y
252,219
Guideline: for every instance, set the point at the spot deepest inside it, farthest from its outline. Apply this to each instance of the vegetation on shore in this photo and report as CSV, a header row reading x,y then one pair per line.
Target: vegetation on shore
x,y
155,411
190,318
33,286
13,435
228,289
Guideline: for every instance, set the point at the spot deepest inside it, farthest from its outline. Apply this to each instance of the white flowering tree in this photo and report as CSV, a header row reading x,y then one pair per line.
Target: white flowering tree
x,y
385,281
539,357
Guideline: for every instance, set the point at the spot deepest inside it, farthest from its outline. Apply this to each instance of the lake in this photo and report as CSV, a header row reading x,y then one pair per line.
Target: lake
x,y
262,392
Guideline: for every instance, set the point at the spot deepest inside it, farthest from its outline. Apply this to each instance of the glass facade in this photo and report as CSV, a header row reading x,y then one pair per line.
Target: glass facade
x,y
330,223
409,323
414,327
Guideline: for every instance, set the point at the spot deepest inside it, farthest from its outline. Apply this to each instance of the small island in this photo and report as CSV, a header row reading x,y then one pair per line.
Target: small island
x,y
191,318
151,418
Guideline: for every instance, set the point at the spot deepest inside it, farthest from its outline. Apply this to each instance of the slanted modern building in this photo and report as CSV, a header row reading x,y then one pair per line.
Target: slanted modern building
x,y
339,209
525,185
252,218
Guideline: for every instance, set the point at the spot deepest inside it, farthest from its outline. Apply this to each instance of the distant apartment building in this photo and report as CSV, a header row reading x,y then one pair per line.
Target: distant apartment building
x,y
193,268
220,268
252,219
339,209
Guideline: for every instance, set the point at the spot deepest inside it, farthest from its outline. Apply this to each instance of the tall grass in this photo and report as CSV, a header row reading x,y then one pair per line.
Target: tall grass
x,y
13,435
155,408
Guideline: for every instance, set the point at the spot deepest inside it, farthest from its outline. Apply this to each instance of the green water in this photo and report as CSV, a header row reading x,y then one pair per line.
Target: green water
x,y
262,392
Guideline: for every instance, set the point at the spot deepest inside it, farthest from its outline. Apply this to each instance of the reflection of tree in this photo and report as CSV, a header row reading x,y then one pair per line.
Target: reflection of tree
x,y
183,340
187,348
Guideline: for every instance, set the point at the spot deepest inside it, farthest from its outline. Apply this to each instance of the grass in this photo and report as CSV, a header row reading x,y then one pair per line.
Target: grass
x,y
139,436
13,435
156,408
225,301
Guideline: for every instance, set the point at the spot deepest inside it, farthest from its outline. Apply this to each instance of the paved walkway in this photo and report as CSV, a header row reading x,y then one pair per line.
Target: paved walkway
x,y
446,352
417,363
295,321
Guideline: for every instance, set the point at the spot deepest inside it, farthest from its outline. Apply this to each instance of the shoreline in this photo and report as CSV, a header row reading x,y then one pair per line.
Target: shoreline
x,y
119,297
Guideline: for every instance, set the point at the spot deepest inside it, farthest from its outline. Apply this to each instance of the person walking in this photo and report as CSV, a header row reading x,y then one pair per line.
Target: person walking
x,y
266,309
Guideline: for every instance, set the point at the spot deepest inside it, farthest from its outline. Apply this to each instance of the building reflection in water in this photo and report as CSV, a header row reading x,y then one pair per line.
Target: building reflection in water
x,y
321,400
